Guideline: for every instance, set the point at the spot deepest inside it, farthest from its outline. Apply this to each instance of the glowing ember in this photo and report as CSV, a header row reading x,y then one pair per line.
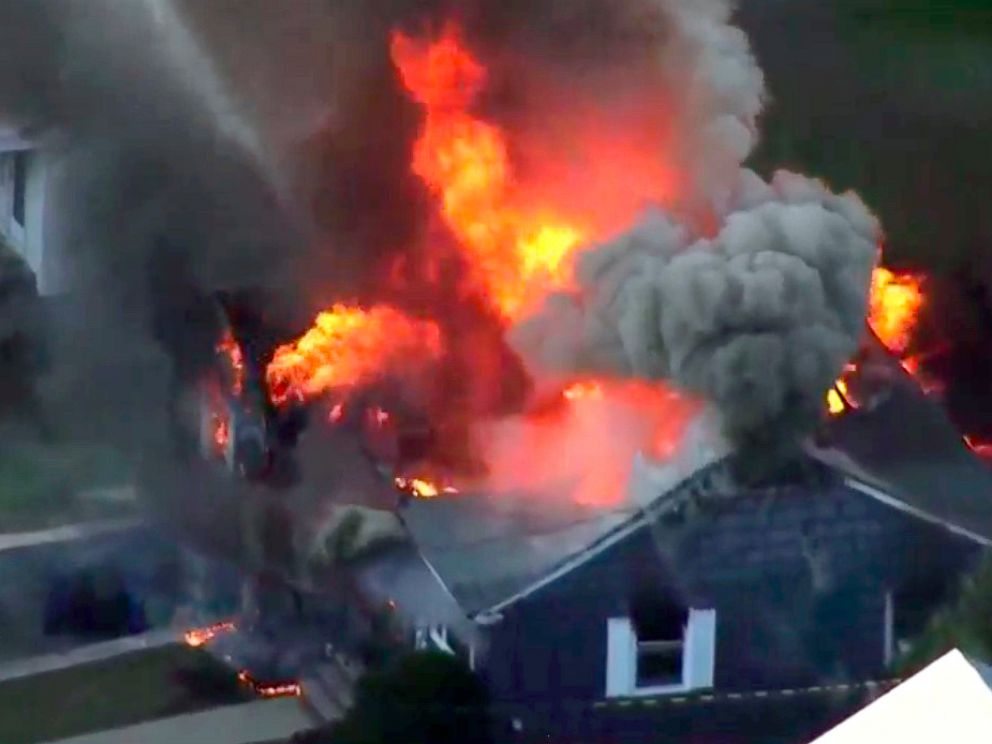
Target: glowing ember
x,y
835,404
914,366
378,416
516,254
348,346
201,636
894,304
581,390
336,413
422,488
229,348
221,432
839,397
288,689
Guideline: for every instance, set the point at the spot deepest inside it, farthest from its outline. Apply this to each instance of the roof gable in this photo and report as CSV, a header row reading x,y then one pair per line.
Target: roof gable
x,y
905,448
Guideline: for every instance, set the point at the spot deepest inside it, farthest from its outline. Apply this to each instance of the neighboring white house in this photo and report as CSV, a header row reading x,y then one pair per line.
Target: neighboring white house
x,y
949,701
23,191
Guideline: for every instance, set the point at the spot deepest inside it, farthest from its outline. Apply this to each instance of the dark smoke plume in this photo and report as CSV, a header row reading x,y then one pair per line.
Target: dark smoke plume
x,y
199,146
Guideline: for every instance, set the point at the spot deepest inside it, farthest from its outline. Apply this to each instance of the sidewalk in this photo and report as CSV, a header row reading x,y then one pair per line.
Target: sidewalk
x,y
65,533
88,653
262,720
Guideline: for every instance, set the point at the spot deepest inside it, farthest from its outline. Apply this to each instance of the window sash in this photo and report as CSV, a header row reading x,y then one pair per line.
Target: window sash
x,y
659,647
696,649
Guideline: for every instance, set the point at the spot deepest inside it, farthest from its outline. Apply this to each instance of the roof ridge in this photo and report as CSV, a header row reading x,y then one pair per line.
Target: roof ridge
x,y
638,517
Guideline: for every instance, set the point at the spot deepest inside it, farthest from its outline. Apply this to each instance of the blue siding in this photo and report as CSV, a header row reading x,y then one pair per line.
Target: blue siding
x,y
798,578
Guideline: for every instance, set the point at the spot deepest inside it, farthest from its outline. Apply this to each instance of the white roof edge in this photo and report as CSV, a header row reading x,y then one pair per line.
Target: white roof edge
x,y
437,577
902,506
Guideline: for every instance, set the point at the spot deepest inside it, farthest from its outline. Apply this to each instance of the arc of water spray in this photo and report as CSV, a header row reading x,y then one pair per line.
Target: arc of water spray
x,y
200,76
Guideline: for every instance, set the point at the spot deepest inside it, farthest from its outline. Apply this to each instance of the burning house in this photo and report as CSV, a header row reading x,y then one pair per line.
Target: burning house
x,y
594,537
526,358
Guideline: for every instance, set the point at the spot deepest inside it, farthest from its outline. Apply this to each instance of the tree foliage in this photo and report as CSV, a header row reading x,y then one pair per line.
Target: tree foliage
x,y
420,698
966,624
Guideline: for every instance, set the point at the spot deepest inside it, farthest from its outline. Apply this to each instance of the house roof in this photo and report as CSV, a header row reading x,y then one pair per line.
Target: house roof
x,y
487,547
489,550
906,450
949,700
489,555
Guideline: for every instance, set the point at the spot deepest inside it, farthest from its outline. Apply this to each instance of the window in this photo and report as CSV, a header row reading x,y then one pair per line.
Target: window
x,y
659,627
907,612
438,638
659,663
654,659
20,185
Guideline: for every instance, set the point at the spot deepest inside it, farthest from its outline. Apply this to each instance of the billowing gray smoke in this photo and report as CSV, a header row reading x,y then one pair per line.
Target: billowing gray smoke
x,y
758,319
750,295
205,145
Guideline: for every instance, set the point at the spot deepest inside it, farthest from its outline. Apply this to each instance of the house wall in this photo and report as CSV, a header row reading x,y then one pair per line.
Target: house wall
x,y
798,577
7,228
28,238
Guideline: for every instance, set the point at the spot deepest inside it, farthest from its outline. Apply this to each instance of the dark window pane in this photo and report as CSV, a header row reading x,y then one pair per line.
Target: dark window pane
x,y
915,603
655,668
657,617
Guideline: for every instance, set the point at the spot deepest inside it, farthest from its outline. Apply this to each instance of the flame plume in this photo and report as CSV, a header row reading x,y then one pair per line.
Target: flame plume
x,y
516,254
345,347
894,304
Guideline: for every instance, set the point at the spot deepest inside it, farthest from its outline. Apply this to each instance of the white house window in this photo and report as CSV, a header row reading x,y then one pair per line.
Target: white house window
x,y
646,660
659,662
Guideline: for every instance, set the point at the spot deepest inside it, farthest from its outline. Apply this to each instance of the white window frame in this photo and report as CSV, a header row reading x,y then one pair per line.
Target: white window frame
x,y
698,657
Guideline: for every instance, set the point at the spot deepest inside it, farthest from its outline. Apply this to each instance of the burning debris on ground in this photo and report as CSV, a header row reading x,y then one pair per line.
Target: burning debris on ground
x,y
197,637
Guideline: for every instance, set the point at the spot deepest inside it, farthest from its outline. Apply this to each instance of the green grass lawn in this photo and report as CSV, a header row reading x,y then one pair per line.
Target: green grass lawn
x,y
41,485
129,689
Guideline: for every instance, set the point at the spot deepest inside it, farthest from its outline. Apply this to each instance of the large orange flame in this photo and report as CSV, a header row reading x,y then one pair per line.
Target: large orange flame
x,y
894,305
516,253
348,346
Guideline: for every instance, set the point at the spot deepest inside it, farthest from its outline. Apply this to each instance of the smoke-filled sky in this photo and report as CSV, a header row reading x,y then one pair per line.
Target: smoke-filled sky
x,y
903,103
205,144
209,145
